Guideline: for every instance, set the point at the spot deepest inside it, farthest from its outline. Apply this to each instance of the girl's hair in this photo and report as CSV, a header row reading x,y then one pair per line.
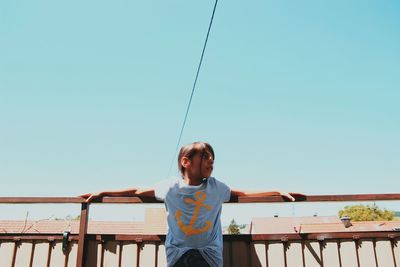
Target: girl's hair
x,y
192,149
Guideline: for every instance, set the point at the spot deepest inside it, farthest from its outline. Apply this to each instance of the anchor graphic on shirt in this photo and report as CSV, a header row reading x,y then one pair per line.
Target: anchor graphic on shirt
x,y
188,229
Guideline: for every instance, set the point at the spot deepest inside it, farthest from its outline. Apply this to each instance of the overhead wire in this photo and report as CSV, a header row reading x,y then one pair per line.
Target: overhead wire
x,y
193,89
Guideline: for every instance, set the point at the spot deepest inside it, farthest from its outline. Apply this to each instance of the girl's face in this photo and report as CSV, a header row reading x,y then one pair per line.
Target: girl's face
x,y
200,165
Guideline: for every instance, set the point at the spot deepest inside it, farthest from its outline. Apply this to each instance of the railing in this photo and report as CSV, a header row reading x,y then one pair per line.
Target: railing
x,y
83,237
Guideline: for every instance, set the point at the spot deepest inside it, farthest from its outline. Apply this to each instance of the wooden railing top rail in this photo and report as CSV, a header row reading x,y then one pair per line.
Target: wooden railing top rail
x,y
83,224
271,199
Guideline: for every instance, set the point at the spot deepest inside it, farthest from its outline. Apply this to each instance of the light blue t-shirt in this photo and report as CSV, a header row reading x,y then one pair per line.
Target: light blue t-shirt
x,y
193,215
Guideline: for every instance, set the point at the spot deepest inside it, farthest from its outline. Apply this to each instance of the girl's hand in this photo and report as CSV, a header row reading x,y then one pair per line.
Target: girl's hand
x,y
91,196
287,196
292,196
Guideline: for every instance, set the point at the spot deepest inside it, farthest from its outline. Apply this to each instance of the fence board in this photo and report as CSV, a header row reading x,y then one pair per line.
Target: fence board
x,y
258,256
23,254
40,254
366,253
244,253
312,255
111,254
348,254
6,253
147,255
129,254
331,255
294,254
276,254
57,255
162,257
73,252
383,253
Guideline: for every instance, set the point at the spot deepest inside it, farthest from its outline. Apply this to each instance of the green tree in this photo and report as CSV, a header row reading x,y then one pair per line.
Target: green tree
x,y
233,228
68,218
366,213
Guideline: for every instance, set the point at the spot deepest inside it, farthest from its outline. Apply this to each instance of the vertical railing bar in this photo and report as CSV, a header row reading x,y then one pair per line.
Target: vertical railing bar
x,y
285,247
66,261
80,261
138,245
32,253
357,244
156,256
376,257
102,253
66,258
120,254
14,253
49,253
321,254
339,254
266,253
392,243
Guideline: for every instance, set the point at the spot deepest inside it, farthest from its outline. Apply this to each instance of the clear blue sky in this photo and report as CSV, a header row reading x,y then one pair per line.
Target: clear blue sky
x,y
295,95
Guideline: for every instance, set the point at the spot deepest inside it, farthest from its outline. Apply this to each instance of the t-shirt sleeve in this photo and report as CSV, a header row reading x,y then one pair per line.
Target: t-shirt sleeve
x,y
223,190
161,189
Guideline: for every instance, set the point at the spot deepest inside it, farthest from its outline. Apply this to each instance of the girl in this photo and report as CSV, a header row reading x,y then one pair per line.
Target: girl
x,y
193,203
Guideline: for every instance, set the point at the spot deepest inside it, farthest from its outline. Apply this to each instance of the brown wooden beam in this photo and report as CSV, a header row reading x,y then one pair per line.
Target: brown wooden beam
x,y
323,198
32,237
81,257
40,200
270,199
392,235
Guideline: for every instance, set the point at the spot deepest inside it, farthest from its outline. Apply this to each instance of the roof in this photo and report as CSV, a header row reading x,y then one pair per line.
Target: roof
x,y
323,224
287,225
55,226
371,226
155,223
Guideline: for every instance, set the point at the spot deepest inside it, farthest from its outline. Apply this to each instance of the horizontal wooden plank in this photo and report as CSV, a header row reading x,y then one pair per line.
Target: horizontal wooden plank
x,y
323,198
270,199
242,237
356,197
40,200
46,237
129,200
73,200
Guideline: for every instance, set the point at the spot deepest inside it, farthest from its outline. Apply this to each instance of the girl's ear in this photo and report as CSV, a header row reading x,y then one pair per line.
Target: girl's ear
x,y
185,162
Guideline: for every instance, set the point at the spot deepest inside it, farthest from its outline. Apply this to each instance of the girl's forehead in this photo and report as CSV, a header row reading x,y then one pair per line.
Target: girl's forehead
x,y
202,149
205,150
206,154
198,149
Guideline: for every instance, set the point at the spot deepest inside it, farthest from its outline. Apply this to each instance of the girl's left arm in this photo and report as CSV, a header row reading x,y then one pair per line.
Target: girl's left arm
x,y
246,193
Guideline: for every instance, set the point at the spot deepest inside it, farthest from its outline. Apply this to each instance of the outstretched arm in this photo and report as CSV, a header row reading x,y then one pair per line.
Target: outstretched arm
x,y
129,192
242,193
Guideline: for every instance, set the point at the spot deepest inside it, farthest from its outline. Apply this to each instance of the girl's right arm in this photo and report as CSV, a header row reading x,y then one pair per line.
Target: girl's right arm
x,y
129,192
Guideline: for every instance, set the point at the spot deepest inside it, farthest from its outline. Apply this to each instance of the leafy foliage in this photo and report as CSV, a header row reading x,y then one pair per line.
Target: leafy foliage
x,y
233,228
68,218
366,213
